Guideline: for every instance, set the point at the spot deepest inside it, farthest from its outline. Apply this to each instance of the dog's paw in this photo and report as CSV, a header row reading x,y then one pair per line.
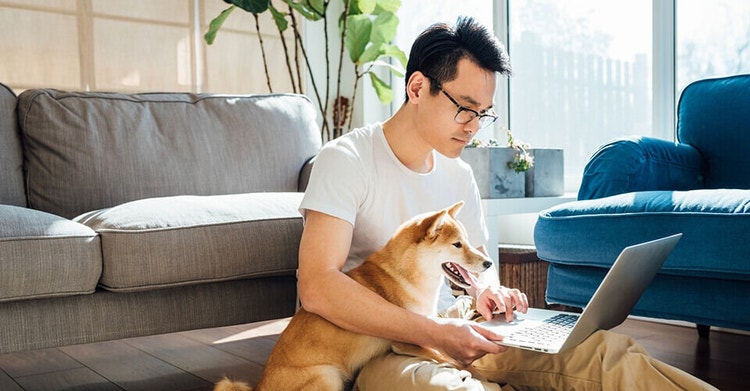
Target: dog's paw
x,y
228,385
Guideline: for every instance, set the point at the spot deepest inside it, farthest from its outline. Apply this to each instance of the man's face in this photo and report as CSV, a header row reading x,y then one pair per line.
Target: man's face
x,y
474,88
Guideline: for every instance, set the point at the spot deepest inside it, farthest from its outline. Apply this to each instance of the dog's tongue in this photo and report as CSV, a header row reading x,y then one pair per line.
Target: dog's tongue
x,y
468,277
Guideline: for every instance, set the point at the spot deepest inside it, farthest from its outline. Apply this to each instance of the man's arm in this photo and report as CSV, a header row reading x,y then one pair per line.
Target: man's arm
x,y
325,290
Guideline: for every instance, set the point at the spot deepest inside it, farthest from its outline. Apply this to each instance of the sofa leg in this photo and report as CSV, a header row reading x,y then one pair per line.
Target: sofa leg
x,y
703,330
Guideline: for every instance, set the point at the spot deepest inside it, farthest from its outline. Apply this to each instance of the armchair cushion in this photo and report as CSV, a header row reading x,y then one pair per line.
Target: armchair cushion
x,y
703,216
714,117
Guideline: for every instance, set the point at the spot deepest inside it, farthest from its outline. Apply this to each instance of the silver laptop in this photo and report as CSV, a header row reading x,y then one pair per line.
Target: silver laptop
x,y
556,331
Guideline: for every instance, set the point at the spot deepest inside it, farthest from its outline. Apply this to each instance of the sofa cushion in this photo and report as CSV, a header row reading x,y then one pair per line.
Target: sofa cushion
x,y
714,224
43,255
181,240
11,160
89,151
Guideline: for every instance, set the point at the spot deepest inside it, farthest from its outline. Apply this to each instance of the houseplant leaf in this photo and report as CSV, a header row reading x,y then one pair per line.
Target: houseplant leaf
x,y
393,51
313,12
363,6
215,25
358,28
384,27
279,18
252,6
387,5
394,69
385,94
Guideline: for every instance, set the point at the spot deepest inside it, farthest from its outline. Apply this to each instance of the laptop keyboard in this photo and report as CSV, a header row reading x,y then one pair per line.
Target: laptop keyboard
x,y
555,328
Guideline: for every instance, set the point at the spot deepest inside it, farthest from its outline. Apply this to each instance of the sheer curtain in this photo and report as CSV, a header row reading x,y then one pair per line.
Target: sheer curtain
x,y
134,46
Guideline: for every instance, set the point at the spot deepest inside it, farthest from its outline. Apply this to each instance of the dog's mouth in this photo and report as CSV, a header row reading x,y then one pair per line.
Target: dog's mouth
x,y
458,275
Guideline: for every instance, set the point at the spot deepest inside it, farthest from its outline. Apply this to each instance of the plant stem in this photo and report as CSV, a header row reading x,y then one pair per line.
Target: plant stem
x,y
347,3
298,37
300,86
263,53
288,63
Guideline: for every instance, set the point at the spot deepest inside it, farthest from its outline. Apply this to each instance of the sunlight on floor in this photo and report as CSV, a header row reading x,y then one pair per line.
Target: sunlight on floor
x,y
254,330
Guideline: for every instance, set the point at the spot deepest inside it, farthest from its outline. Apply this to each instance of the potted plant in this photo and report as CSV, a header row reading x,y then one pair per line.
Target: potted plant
x,y
496,169
499,171
366,28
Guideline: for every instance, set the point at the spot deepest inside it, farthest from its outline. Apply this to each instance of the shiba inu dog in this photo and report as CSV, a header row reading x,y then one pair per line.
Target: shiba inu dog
x,y
408,271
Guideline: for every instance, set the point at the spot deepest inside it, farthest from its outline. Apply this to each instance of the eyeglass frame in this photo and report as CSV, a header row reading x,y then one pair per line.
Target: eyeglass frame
x,y
461,107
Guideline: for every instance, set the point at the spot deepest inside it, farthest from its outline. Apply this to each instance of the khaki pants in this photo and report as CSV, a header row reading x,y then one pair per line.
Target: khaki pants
x,y
604,361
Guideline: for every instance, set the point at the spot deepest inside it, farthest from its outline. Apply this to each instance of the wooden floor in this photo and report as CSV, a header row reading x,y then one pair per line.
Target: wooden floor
x,y
193,360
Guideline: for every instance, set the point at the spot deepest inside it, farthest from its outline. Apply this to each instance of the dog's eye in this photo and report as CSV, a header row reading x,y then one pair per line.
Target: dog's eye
x,y
457,245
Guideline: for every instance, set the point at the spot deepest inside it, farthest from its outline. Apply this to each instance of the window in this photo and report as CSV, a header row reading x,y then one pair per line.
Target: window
x,y
713,39
134,46
582,75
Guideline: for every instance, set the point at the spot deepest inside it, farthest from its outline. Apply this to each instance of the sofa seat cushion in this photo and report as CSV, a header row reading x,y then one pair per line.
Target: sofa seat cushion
x,y
714,224
43,255
181,240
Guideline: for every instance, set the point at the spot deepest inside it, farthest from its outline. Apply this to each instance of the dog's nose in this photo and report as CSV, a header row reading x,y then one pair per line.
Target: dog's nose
x,y
487,264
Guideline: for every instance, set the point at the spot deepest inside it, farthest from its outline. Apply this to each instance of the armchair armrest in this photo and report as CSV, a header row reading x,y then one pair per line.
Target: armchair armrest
x,y
639,164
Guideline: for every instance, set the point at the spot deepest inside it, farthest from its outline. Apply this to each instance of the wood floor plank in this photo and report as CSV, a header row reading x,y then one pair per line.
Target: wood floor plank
x,y
79,379
718,360
36,362
195,357
8,384
133,369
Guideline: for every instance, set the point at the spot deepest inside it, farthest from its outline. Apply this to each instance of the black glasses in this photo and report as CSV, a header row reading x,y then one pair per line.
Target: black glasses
x,y
464,115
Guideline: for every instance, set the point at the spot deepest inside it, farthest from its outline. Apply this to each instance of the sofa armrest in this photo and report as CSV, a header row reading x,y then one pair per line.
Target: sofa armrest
x,y
639,164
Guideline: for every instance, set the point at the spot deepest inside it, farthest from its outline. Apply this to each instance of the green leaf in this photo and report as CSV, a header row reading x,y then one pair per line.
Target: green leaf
x,y
384,91
304,10
394,69
384,27
279,18
365,6
215,25
388,6
371,54
252,6
358,28
318,5
393,51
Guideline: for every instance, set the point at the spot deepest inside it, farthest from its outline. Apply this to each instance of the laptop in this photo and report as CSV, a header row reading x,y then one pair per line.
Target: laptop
x,y
552,332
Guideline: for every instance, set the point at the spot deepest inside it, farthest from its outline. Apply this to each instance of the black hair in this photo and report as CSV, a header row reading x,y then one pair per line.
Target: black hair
x,y
437,50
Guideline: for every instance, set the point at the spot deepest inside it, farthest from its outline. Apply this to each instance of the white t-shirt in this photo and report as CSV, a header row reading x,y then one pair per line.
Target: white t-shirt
x,y
357,178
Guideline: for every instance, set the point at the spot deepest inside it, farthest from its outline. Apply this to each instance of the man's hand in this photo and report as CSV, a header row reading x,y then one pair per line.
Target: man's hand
x,y
496,298
500,299
466,341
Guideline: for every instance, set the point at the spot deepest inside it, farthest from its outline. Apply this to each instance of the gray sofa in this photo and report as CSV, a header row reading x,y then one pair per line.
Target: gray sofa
x,y
129,215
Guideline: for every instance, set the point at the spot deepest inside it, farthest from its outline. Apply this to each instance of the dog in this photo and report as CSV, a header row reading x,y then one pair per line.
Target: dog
x,y
408,271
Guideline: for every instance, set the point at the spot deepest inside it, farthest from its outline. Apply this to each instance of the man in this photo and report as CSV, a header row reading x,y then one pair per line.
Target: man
x,y
366,183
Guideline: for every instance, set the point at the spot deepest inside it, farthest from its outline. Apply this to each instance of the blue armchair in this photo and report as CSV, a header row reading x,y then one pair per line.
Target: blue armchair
x,y
639,188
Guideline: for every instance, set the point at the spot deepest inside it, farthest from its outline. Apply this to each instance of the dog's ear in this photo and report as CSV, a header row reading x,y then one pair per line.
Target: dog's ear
x,y
434,223
453,209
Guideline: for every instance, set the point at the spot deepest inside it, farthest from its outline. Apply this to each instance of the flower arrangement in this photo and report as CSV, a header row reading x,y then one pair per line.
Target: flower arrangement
x,y
522,160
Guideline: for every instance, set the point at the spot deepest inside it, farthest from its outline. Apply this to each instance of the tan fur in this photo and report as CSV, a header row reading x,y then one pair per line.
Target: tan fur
x,y
313,353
